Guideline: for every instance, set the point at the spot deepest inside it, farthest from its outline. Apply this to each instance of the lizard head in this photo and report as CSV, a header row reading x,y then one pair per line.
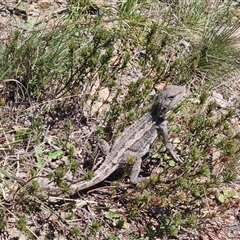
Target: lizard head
x,y
166,100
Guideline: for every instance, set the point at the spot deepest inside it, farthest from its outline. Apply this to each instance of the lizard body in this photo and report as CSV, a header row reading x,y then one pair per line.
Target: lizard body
x,y
137,138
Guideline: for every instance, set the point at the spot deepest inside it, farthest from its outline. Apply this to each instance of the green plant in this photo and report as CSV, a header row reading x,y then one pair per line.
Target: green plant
x,y
21,224
221,197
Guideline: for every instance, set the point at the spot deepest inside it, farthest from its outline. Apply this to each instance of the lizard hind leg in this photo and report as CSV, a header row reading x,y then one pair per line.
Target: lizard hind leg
x,y
104,146
136,168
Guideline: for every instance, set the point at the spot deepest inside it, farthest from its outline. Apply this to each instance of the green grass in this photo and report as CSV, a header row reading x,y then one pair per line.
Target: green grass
x,y
50,105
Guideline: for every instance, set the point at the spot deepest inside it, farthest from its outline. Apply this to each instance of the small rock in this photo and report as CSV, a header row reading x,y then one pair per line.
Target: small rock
x,y
218,98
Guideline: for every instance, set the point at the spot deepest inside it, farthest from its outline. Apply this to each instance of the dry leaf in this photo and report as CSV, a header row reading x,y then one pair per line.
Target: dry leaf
x,y
160,86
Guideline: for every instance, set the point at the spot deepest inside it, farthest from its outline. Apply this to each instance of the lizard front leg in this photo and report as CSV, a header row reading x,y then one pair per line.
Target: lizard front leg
x,y
169,146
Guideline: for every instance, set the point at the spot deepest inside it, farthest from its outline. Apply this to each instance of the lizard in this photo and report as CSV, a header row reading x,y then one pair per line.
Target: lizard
x,y
137,138
134,142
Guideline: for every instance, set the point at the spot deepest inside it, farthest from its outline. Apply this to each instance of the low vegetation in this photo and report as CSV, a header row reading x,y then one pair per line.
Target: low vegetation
x,y
88,77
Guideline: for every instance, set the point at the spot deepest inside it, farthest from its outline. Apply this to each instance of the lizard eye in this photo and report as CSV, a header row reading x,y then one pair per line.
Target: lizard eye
x,y
164,109
171,97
